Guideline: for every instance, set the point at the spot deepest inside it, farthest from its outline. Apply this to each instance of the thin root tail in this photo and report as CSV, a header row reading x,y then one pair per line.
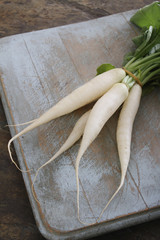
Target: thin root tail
x,y
10,154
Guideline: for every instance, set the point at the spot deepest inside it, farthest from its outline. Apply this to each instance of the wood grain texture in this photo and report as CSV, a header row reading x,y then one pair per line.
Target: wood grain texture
x,y
12,15
19,16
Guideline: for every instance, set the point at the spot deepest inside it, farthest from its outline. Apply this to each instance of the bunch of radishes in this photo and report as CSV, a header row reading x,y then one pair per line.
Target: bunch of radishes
x,y
111,88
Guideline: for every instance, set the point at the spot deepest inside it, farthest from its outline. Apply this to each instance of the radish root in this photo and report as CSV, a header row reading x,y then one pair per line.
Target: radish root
x,y
74,136
10,154
126,118
20,124
100,113
81,96
100,216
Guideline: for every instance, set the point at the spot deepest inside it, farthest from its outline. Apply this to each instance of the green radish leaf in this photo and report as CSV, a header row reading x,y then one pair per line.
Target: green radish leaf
x,y
151,86
147,16
104,68
127,57
138,40
146,37
155,49
151,38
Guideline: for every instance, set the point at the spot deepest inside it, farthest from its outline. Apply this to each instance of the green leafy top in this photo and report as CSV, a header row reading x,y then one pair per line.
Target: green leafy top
x,y
104,68
144,61
147,16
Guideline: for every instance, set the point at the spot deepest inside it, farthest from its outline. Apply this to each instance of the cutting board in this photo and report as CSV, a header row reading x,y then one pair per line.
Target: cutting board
x,y
37,69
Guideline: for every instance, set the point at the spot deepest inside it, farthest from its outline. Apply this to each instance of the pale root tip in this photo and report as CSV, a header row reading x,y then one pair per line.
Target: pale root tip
x,y
104,209
77,180
33,192
10,154
36,174
19,124
35,177
86,224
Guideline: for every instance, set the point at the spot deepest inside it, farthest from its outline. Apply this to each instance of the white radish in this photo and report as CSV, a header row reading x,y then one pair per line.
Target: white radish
x,y
20,124
124,133
74,136
81,96
100,113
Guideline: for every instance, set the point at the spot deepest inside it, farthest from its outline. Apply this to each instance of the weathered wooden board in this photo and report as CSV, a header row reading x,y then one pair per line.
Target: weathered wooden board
x,y
38,69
